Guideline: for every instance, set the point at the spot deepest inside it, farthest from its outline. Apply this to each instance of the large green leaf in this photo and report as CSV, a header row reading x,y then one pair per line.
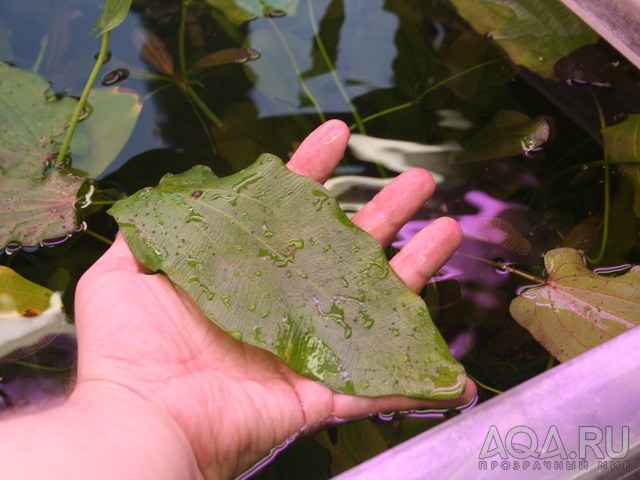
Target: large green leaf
x,y
30,315
270,257
535,33
623,141
576,309
36,203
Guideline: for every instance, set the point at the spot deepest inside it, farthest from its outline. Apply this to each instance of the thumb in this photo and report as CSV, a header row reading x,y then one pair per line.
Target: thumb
x,y
119,257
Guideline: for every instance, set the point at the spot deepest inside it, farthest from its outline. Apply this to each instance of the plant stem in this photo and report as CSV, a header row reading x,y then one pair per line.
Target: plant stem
x,y
44,43
429,90
506,268
486,387
203,107
93,234
228,27
182,59
334,74
41,367
607,192
298,73
551,362
595,163
104,47
159,89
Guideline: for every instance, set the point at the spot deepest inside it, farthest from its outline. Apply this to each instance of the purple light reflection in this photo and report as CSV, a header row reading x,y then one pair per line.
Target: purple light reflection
x,y
478,280
474,244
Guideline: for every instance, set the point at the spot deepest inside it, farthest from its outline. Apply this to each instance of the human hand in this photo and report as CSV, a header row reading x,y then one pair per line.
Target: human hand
x,y
140,334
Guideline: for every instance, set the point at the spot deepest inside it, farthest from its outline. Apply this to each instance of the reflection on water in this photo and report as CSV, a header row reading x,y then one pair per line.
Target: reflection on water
x,y
292,76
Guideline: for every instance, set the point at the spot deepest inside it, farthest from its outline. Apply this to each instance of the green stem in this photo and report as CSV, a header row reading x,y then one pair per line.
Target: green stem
x,y
505,268
41,367
429,90
44,43
103,202
595,163
203,107
83,100
607,193
228,27
159,89
486,387
93,234
325,56
297,71
182,58
550,362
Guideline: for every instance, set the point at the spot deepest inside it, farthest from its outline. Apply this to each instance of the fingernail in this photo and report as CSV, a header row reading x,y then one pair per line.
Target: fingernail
x,y
335,130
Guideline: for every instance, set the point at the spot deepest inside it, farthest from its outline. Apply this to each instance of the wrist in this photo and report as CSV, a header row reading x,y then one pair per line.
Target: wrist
x,y
101,431
138,432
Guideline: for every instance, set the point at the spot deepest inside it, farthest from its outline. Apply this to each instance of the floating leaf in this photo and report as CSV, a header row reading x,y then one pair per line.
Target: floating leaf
x,y
507,133
30,315
35,204
241,11
225,56
113,14
623,141
269,256
576,309
114,114
534,34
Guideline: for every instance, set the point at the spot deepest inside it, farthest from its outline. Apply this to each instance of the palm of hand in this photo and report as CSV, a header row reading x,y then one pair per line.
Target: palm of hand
x,y
234,401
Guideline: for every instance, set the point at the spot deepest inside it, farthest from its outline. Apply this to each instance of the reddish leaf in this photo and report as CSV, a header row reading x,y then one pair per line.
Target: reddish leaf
x,y
576,309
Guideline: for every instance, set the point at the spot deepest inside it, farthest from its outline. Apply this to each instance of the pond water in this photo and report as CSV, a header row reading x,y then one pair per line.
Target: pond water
x,y
517,156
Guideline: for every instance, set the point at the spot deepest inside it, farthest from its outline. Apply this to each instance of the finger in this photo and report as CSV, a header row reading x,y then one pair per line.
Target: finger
x,y
319,153
395,204
347,407
427,252
119,257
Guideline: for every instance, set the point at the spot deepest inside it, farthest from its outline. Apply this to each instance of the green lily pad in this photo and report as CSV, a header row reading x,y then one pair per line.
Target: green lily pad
x,y
534,34
576,309
36,202
30,315
270,257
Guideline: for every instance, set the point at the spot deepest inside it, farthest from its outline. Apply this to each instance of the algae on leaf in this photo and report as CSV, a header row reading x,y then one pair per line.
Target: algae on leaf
x,y
269,256
576,309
